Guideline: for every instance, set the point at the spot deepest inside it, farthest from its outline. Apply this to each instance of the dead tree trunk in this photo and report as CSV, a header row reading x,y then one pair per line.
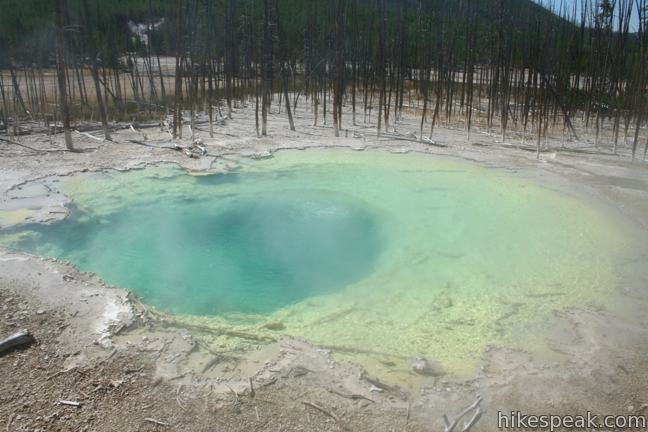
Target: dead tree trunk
x,y
381,65
17,93
177,109
22,338
61,72
94,70
339,67
284,69
5,108
266,67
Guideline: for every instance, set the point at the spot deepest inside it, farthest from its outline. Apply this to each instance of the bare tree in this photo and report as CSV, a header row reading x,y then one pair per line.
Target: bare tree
x,y
61,73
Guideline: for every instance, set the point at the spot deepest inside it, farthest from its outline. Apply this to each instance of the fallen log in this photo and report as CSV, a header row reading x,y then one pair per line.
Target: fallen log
x,y
22,338
87,134
428,141
475,406
414,139
352,396
326,412
20,145
378,384
70,403
156,422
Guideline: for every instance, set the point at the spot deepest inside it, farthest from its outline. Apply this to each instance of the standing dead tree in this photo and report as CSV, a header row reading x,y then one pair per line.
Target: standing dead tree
x,y
61,73
266,68
94,69
179,59
641,77
283,58
339,67
476,64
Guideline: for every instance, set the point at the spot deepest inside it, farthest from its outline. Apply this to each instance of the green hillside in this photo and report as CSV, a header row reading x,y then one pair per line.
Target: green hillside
x,y
27,26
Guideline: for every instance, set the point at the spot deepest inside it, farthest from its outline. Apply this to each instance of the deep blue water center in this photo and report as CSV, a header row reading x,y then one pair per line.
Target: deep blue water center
x,y
250,253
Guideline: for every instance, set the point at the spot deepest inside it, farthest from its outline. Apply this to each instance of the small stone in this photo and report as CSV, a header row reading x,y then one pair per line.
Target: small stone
x,y
104,342
40,312
423,367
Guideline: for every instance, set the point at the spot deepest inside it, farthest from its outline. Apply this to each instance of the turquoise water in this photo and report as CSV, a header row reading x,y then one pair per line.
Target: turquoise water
x,y
250,254
382,257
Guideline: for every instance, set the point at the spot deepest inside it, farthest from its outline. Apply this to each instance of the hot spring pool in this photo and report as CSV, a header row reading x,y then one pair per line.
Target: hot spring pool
x,y
383,257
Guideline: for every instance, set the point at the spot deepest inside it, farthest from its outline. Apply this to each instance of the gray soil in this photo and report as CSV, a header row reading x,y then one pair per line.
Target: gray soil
x,y
100,347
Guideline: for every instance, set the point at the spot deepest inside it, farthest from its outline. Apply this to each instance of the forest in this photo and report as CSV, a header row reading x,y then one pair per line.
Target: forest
x,y
503,65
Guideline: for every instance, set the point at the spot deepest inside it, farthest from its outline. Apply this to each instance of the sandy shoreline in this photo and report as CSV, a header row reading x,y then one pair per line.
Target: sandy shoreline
x,y
599,359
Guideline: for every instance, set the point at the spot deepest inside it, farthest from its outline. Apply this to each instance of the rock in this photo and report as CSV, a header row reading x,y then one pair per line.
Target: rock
x,y
423,367
274,326
104,342
40,312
